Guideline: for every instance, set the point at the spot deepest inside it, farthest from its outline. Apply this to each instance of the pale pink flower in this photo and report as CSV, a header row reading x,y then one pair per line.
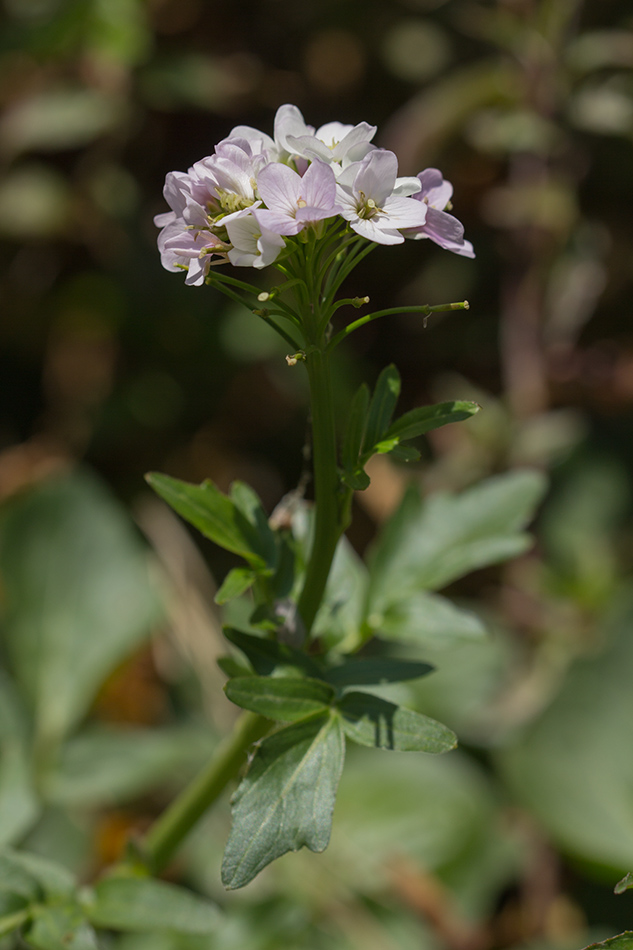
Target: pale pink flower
x,y
253,244
294,201
440,227
365,190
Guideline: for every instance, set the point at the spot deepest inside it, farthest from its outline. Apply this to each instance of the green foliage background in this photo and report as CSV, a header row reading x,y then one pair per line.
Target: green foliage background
x,y
111,367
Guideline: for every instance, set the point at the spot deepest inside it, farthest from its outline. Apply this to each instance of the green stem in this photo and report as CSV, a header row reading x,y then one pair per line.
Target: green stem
x,y
168,831
422,308
328,523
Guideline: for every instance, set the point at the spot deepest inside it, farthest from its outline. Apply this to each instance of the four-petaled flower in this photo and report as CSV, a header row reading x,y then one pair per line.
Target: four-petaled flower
x,y
293,201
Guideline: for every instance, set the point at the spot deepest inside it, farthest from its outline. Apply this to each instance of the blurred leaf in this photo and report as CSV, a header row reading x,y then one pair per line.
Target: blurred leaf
x,y
236,583
78,597
361,671
625,884
34,202
338,621
286,799
102,767
415,49
131,903
235,527
53,879
568,767
19,806
57,119
427,619
15,879
372,721
426,546
286,699
60,928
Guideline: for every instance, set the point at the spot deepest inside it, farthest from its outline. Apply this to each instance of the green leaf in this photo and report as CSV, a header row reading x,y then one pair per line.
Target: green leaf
x,y
236,583
425,418
568,766
15,879
623,941
375,670
144,904
357,480
215,515
426,547
247,502
286,799
357,420
19,802
77,594
372,721
105,767
404,453
383,403
61,928
50,878
428,620
339,618
285,698
270,656
624,884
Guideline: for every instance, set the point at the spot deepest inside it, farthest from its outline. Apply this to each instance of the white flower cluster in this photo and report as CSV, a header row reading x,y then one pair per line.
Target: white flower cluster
x,y
242,203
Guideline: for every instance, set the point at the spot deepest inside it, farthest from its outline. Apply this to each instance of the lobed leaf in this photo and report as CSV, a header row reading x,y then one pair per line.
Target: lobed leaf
x,y
284,698
144,904
372,721
287,797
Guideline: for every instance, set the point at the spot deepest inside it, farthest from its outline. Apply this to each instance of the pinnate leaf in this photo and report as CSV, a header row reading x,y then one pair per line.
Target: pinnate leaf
x,y
287,797
372,721
285,698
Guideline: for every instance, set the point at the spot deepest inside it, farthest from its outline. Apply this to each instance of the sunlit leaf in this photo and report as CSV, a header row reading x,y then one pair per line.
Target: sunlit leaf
x,y
625,884
425,418
372,721
236,583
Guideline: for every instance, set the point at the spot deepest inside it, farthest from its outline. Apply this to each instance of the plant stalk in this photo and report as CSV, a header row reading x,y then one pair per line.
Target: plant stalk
x,y
170,829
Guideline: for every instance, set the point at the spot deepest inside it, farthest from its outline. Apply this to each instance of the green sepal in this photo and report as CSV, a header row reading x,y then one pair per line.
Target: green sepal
x,y
383,403
270,656
144,904
355,431
236,583
372,721
372,671
283,698
425,418
234,523
286,800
